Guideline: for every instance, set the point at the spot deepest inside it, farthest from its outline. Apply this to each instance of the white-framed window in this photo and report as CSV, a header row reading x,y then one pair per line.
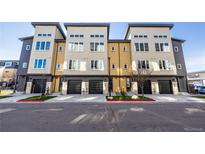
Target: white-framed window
x,y
143,64
97,46
96,35
43,45
97,65
28,47
39,63
113,66
24,65
164,65
176,49
179,66
163,47
8,64
126,66
75,46
141,47
160,36
140,36
76,35
74,64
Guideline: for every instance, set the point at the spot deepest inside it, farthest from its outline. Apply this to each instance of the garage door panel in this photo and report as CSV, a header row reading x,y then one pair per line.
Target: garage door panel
x,y
147,88
74,87
165,87
95,87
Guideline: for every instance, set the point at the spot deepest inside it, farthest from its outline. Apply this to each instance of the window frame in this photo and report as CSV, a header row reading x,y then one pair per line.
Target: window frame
x,y
28,47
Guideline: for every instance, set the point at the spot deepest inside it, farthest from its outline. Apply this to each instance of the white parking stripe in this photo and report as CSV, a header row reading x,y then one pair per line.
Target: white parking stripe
x,y
76,120
6,110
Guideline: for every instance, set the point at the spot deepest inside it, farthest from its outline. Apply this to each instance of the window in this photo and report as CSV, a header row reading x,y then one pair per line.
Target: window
x,y
179,66
140,36
143,64
49,35
44,34
162,47
81,35
39,63
113,66
141,46
71,35
58,66
8,64
42,45
164,65
48,45
125,66
113,48
160,36
96,35
38,45
39,34
176,49
97,46
97,65
75,46
25,65
74,65
60,48
125,48
155,36
28,47
76,35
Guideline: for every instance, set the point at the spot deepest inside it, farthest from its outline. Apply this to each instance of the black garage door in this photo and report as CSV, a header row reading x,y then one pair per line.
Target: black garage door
x,y
165,87
39,86
95,87
147,88
74,87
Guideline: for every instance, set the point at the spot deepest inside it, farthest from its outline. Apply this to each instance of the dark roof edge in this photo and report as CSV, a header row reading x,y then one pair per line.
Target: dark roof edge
x,y
26,38
87,24
180,40
57,24
147,25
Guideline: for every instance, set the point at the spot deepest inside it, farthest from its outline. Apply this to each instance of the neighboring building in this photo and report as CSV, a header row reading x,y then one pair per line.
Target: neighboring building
x,y
80,63
196,78
22,76
8,70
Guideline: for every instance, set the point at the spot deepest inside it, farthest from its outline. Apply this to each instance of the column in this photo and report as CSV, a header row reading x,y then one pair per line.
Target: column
x,y
105,87
175,87
48,87
155,87
28,87
134,87
85,88
64,87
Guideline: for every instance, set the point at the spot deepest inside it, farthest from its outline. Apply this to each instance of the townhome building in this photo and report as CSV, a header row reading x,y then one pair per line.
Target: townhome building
x,y
88,62
42,63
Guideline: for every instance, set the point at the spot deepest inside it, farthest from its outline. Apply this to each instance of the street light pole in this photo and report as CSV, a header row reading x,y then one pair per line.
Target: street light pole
x,y
109,90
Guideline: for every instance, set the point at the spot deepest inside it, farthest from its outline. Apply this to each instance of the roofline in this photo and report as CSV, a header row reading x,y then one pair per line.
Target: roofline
x,y
57,24
196,72
26,38
170,26
89,25
180,40
118,40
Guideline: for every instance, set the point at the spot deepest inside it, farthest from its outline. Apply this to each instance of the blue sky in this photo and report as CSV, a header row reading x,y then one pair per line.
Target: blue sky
x,y
192,32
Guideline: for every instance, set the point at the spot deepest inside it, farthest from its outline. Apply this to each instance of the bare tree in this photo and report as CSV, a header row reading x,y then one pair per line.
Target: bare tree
x,y
141,75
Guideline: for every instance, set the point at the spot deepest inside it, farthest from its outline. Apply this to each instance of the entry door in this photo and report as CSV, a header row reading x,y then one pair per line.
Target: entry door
x,y
95,87
74,87
39,85
147,88
165,87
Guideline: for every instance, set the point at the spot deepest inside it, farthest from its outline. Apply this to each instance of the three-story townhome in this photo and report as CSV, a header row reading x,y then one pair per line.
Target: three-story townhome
x,y
86,56
151,49
42,59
